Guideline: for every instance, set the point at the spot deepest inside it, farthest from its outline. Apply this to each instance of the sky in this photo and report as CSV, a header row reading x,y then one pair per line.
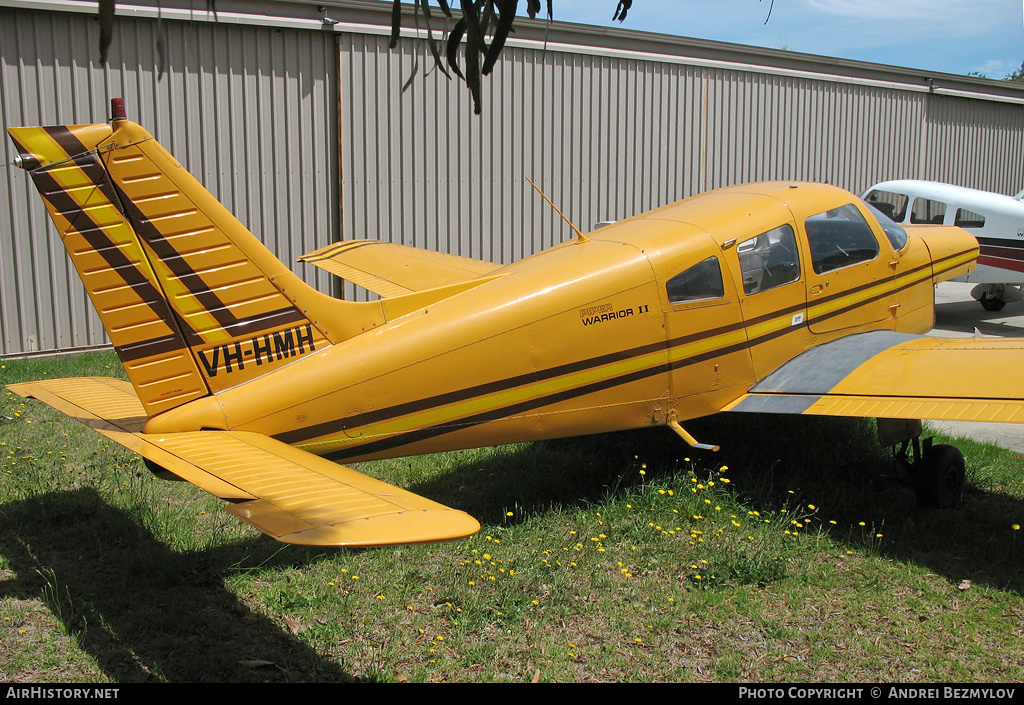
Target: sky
x,y
948,36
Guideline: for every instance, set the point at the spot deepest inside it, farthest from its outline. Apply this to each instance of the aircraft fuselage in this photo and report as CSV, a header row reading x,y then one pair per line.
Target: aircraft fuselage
x,y
626,329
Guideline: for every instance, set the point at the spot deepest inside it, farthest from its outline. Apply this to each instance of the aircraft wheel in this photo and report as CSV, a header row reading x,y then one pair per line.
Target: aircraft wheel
x,y
940,477
991,303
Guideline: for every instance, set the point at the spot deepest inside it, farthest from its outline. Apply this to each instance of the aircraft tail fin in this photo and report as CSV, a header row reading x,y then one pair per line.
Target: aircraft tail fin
x,y
191,300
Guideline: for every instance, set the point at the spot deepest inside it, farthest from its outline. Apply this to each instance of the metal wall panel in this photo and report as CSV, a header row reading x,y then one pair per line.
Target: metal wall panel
x,y
604,138
608,137
765,127
608,125
250,111
974,143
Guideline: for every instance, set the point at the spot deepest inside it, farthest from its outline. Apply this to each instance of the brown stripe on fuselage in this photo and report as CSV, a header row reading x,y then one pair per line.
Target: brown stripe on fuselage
x,y
297,436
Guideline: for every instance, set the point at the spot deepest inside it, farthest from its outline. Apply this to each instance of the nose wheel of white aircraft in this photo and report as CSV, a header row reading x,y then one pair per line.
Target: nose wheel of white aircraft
x,y
937,470
991,303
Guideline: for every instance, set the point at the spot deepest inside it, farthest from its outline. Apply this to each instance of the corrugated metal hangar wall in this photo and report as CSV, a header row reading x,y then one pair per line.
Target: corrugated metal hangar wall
x,y
303,129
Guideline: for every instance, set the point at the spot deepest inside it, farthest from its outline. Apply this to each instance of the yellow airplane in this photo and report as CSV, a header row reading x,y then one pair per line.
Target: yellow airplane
x,y
781,297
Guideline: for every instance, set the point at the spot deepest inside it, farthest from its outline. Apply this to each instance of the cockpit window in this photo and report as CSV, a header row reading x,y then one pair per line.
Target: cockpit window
x,y
769,260
839,238
892,205
700,282
897,235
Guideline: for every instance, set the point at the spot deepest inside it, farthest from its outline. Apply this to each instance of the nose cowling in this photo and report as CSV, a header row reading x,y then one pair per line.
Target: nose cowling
x,y
953,251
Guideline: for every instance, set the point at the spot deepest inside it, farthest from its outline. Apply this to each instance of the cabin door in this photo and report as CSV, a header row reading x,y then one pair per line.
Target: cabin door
x,y
851,277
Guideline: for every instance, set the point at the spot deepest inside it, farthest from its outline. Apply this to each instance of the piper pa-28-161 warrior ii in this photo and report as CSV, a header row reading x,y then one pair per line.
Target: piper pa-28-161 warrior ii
x,y
790,298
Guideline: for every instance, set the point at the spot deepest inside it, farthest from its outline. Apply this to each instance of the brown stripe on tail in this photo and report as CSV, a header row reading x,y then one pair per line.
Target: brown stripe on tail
x,y
108,257
192,301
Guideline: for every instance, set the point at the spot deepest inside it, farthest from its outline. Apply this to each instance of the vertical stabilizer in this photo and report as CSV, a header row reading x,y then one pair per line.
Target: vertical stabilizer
x,y
191,300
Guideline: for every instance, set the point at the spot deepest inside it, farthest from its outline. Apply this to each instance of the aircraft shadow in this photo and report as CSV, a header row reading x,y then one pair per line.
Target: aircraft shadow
x,y
146,613
774,461
965,316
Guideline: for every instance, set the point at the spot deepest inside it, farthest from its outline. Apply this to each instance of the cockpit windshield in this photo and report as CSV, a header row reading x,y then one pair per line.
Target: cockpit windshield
x,y
897,235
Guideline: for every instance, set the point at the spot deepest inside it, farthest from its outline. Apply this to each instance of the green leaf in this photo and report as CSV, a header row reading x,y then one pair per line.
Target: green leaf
x,y
106,16
507,13
454,39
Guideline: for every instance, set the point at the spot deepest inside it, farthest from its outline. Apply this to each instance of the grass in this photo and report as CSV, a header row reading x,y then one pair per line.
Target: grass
x,y
795,554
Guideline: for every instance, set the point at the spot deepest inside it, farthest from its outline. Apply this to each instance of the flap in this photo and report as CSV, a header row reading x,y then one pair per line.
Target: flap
x,y
892,375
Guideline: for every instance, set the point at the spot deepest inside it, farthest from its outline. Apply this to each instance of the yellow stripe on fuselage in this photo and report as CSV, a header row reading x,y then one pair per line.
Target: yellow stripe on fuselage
x,y
450,414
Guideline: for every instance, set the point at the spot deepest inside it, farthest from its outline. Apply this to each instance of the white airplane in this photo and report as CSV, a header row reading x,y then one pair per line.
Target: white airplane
x,y
996,220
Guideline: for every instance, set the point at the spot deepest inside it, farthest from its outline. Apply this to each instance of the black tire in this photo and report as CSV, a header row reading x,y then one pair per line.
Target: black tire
x,y
991,303
940,478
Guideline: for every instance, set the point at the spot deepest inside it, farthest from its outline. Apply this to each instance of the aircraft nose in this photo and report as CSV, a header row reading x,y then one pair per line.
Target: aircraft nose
x,y
953,250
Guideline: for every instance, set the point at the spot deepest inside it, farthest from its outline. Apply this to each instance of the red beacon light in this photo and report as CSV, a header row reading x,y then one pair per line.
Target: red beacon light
x,y
117,110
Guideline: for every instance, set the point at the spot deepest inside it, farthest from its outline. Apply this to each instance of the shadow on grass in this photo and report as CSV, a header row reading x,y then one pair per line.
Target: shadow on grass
x,y
774,462
144,612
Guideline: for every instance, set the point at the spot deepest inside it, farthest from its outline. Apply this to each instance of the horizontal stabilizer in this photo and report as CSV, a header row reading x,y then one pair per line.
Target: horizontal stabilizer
x,y
289,494
892,375
388,269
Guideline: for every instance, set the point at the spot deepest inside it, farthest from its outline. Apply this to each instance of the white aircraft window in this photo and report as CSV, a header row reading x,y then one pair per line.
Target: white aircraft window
x,y
701,281
927,211
892,205
969,219
840,237
769,260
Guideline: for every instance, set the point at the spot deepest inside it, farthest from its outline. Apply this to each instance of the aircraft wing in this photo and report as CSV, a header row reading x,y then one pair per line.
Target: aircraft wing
x,y
388,269
883,374
287,493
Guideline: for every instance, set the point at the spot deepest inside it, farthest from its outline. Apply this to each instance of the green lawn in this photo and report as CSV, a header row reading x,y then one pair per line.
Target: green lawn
x,y
795,554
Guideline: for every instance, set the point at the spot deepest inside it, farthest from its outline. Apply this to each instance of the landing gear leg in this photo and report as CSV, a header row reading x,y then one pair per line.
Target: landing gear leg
x,y
937,471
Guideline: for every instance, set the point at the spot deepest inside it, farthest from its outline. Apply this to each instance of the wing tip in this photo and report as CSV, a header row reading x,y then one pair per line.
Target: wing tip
x,y
398,529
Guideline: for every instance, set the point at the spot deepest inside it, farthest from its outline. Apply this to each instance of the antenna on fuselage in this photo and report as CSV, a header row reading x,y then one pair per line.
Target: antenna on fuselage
x,y
580,237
